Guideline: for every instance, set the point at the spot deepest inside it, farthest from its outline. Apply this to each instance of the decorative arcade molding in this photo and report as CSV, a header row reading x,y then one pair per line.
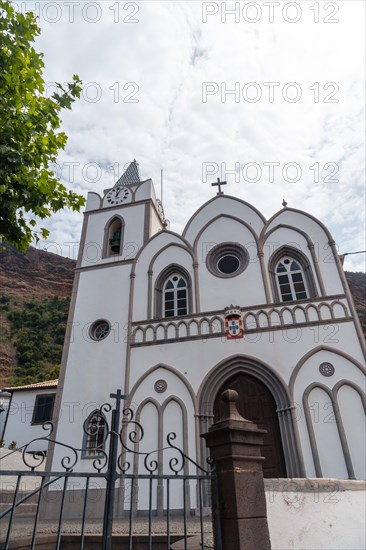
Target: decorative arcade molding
x,y
270,317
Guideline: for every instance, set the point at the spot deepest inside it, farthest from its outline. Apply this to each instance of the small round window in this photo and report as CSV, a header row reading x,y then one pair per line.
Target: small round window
x,y
228,264
100,330
227,260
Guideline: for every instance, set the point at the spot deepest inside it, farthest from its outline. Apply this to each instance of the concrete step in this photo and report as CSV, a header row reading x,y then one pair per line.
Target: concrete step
x,y
6,497
23,510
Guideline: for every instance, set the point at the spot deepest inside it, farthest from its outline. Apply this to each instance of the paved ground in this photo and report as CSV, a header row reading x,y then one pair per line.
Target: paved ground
x,y
140,526
24,527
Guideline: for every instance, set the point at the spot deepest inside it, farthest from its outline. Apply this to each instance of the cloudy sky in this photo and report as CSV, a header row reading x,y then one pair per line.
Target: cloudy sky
x,y
267,95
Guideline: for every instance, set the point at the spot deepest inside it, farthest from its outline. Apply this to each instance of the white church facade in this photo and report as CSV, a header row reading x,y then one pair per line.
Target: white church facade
x,y
236,301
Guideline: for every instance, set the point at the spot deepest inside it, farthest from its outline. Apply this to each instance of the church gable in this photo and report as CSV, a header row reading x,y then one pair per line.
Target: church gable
x,y
313,240
229,270
223,204
159,255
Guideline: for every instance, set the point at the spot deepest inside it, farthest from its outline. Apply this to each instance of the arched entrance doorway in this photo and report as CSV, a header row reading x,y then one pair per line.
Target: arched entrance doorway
x,y
257,404
236,365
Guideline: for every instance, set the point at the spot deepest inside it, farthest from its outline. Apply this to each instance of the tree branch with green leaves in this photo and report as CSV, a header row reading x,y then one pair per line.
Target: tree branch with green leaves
x,y
30,138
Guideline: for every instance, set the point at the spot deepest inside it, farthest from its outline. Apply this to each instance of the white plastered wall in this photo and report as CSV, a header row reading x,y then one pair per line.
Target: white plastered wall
x,y
246,288
326,517
323,418
176,410
19,427
145,191
281,350
94,368
145,390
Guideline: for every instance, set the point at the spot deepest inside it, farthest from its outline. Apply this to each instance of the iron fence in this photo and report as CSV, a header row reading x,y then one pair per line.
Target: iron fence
x,y
164,494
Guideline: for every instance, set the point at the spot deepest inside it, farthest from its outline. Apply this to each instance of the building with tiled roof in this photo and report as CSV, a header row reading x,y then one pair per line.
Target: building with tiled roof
x,y
26,408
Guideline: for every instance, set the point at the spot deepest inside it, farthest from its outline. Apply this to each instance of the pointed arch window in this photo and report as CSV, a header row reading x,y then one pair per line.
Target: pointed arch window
x,y
113,237
291,275
173,292
291,280
175,296
95,432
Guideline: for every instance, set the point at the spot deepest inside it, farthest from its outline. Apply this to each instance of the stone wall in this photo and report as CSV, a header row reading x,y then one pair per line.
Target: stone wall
x,y
316,514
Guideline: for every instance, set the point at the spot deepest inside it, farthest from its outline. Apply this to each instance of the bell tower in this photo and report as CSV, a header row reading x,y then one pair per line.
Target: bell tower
x,y
117,224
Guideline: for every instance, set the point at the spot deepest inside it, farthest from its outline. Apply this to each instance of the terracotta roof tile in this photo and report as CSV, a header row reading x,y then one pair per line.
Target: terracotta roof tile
x,y
48,384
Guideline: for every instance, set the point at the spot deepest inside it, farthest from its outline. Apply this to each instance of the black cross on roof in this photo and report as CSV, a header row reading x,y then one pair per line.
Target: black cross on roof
x,y
218,184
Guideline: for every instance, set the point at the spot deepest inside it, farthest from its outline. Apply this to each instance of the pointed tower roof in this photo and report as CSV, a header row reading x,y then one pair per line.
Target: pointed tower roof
x,y
131,175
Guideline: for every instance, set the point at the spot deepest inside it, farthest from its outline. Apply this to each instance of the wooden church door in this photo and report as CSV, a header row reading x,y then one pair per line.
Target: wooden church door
x,y
257,404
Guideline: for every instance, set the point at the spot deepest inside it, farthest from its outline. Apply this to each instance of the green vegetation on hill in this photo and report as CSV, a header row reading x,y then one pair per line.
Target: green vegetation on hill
x,y
37,331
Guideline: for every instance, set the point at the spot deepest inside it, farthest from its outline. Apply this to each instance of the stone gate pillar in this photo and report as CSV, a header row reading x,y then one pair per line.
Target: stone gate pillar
x,y
234,444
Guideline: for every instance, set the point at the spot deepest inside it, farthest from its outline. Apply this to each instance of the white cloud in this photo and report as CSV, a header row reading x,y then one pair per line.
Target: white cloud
x,y
169,53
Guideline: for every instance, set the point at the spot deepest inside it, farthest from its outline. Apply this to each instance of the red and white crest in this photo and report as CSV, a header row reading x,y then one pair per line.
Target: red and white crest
x,y
233,323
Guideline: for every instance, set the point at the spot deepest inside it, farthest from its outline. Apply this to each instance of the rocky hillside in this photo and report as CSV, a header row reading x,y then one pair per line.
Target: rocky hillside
x,y
35,274
35,290
357,284
29,319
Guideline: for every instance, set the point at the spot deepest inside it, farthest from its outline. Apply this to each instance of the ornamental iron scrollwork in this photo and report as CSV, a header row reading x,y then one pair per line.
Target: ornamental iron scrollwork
x,y
67,462
130,436
122,435
135,435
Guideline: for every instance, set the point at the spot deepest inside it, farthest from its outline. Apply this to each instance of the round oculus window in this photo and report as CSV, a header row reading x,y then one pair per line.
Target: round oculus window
x,y
228,264
227,260
100,330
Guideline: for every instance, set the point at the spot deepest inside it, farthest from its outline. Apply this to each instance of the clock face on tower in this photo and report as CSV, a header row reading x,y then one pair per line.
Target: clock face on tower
x,y
117,195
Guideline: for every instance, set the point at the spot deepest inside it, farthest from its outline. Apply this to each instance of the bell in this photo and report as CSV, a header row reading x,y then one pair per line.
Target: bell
x,y
115,242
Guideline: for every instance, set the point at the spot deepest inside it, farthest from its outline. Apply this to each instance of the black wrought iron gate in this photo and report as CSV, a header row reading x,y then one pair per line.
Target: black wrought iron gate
x,y
172,490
